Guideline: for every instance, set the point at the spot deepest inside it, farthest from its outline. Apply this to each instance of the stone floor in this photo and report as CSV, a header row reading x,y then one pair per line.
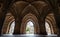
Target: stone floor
x,y
28,35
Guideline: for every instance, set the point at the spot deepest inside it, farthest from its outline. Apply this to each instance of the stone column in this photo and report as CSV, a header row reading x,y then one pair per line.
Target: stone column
x,y
42,26
1,23
17,26
57,17
2,18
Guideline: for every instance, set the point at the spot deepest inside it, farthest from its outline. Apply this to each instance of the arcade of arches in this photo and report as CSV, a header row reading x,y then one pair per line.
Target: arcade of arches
x,y
30,17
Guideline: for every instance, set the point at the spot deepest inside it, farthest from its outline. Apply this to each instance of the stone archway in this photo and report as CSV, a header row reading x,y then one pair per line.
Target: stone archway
x,y
29,17
52,23
22,8
6,26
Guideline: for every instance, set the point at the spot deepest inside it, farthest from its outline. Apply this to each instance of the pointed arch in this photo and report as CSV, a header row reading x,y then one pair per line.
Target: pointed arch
x,y
50,20
30,17
7,23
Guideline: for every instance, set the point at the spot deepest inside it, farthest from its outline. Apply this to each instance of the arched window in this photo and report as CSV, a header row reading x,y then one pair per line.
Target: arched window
x,y
48,30
30,27
12,28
